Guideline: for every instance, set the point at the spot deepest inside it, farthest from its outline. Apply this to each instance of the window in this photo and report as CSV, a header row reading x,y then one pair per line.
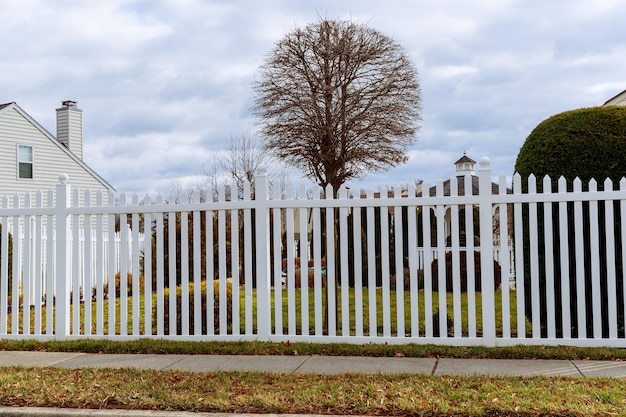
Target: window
x,y
24,161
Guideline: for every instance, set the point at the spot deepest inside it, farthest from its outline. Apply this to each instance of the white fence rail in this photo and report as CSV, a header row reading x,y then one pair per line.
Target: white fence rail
x,y
435,265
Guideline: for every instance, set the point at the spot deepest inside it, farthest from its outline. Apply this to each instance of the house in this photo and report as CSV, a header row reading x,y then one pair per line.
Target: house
x,y
618,100
31,158
465,168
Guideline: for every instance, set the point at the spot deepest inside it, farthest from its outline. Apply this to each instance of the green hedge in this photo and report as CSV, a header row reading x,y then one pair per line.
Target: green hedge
x,y
588,143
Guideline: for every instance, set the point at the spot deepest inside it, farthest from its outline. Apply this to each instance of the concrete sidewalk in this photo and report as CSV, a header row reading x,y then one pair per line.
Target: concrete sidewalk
x,y
318,364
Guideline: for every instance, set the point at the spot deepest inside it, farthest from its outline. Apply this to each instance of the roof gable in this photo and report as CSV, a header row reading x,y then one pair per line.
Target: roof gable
x,y
618,100
465,159
4,108
460,180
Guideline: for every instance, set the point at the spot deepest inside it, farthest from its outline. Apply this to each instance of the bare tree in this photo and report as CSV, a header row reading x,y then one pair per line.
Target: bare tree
x,y
179,192
238,165
245,156
338,100
210,179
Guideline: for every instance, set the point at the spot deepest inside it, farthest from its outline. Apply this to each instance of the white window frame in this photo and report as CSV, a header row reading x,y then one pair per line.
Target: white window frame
x,y
20,161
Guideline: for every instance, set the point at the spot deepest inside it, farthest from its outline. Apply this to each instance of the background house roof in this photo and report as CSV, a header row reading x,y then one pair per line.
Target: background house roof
x,y
619,99
460,179
465,158
495,188
13,105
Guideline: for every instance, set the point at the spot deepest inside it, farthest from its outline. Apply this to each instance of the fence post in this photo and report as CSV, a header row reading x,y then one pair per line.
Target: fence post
x,y
63,258
485,207
262,235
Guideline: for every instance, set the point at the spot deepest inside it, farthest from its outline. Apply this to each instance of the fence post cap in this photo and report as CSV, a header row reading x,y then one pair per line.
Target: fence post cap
x,y
63,178
484,162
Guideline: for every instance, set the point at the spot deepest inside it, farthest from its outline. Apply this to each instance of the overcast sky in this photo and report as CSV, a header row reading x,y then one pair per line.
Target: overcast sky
x,y
164,84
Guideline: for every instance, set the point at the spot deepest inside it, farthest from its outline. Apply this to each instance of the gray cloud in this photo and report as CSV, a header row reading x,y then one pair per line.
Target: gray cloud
x,y
164,84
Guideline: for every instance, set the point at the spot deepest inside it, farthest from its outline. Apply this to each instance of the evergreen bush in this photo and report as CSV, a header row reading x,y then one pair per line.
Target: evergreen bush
x,y
588,143
585,143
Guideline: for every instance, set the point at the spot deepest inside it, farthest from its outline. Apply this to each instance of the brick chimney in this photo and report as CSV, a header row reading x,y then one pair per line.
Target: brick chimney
x,y
70,127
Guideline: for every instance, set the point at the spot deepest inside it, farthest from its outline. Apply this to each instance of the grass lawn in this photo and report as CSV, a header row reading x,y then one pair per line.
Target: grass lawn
x,y
464,326
253,392
348,394
295,308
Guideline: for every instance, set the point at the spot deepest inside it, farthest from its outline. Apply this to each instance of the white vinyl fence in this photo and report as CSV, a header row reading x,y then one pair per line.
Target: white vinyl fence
x,y
464,262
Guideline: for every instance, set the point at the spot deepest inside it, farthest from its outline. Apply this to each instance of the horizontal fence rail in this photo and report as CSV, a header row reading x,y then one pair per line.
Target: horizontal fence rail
x,y
462,262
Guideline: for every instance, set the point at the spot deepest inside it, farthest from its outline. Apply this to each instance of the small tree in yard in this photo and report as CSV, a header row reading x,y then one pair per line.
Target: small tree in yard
x,y
338,100
239,165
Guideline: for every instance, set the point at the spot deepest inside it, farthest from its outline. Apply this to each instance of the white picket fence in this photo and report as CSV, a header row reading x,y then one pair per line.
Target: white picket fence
x,y
398,266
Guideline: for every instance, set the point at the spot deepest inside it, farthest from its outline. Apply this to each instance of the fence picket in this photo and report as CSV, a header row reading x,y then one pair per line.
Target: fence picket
x,y
135,255
50,256
485,205
234,268
533,226
304,263
160,269
197,268
88,283
278,271
99,265
331,285
471,270
547,261
172,272
564,242
580,262
442,313
27,269
412,230
17,251
290,264
147,268
210,268
358,266
519,256
596,307
399,264
222,273
247,253
371,267
505,260
622,232
4,268
427,236
123,268
184,273
455,264
38,266
609,233
371,283
384,261
344,283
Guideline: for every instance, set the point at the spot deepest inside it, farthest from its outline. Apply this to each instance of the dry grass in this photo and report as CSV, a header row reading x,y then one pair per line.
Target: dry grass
x,y
248,392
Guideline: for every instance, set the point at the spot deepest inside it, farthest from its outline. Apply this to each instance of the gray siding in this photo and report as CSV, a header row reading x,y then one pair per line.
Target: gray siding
x,y
49,159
